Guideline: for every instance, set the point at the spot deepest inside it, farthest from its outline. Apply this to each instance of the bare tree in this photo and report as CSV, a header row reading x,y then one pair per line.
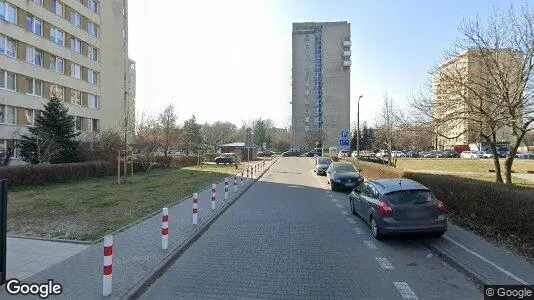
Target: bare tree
x,y
313,136
388,122
218,133
484,93
127,122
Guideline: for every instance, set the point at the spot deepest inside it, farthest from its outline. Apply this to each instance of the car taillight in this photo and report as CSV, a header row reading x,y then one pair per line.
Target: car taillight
x,y
441,207
384,209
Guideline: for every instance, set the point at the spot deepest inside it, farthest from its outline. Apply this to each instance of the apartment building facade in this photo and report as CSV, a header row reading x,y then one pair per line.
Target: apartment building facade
x,y
320,81
75,50
467,78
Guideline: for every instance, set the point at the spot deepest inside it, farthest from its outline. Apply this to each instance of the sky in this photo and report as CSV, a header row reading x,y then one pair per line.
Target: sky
x,y
230,60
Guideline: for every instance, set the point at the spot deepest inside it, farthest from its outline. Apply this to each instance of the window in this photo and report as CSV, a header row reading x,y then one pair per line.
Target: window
x,y
57,36
76,19
76,45
7,114
34,56
8,12
92,29
57,8
94,101
57,91
306,119
8,80
78,123
92,77
34,25
57,64
30,117
76,97
92,53
34,87
40,2
8,46
93,5
95,125
306,128
76,71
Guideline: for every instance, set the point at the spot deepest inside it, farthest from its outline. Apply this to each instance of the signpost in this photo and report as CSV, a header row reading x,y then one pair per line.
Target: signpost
x,y
344,141
248,142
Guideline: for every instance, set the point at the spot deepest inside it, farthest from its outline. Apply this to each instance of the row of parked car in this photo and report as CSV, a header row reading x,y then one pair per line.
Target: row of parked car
x,y
389,206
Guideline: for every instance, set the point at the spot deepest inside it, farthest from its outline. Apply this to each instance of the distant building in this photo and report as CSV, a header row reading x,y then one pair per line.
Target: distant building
x,y
320,81
455,84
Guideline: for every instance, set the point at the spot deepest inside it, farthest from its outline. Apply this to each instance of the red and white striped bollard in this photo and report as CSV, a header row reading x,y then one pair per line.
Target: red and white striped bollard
x,y
108,266
165,228
213,195
226,188
195,208
235,183
241,178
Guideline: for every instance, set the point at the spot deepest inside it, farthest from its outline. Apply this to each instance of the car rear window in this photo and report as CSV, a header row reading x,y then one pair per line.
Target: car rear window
x,y
345,168
325,161
409,197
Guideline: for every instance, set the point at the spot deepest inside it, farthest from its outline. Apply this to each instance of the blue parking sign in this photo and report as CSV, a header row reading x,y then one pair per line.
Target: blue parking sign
x,y
344,134
344,142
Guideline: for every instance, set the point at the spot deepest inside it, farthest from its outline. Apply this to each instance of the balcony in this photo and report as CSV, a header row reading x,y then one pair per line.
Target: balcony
x,y
347,63
346,53
346,43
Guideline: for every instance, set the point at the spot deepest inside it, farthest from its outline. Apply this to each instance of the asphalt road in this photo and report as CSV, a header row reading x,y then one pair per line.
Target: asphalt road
x,y
290,237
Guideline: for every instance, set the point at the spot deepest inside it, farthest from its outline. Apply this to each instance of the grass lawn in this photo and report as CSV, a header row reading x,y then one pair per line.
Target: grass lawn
x,y
86,210
461,165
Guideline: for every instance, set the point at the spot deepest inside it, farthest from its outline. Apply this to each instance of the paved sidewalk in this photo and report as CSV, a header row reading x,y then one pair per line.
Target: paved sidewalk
x,y
482,260
136,250
26,257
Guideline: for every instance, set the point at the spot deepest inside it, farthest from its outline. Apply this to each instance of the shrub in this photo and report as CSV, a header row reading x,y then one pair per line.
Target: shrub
x,y
491,209
44,173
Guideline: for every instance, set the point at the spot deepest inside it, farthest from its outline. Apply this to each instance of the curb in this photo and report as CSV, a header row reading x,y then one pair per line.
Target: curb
x,y
88,243
478,280
142,285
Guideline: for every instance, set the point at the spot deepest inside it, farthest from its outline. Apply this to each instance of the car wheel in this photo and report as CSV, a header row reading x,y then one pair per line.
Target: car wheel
x,y
332,186
352,210
437,234
375,230
217,162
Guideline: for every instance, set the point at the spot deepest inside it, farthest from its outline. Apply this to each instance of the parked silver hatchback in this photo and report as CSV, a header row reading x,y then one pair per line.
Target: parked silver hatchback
x,y
393,206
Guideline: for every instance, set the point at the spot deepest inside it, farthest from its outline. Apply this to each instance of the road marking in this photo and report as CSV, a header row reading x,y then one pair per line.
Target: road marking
x,y
384,263
487,261
334,200
358,230
339,205
344,212
369,244
351,221
405,290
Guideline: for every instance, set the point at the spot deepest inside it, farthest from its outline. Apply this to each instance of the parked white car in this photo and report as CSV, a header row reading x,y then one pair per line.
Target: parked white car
x,y
382,153
397,154
486,154
471,154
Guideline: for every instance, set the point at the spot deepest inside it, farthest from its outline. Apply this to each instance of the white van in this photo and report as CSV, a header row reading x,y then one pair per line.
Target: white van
x,y
332,151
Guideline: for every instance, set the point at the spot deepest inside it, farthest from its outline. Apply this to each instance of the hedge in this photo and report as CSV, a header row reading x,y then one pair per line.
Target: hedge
x,y
491,209
25,175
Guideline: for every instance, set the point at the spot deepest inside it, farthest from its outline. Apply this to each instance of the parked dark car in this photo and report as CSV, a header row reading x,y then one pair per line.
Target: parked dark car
x,y
343,176
503,151
451,154
311,153
398,206
291,152
412,154
225,158
266,153
322,164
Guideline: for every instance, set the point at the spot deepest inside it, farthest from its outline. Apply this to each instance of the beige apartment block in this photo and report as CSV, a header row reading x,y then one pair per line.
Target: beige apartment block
x,y
467,78
320,81
76,50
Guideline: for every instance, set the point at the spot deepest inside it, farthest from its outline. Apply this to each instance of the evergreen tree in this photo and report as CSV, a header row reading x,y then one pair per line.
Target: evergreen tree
x,y
192,135
53,138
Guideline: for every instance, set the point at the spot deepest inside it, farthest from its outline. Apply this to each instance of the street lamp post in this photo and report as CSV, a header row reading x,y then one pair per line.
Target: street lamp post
x,y
358,130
